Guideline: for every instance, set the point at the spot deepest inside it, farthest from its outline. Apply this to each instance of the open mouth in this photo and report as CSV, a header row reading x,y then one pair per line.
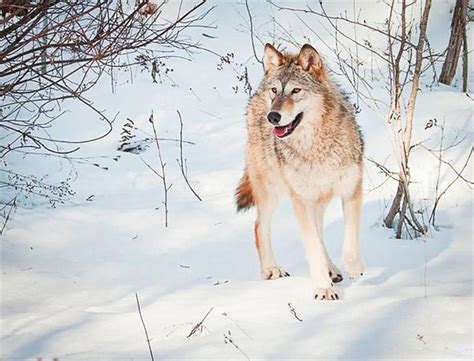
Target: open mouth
x,y
286,130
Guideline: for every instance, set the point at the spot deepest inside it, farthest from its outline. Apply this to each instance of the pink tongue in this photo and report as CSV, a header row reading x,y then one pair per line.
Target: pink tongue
x,y
280,131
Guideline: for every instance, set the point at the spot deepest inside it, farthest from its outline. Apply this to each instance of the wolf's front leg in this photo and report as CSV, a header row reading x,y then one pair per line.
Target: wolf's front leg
x,y
314,247
268,265
334,273
351,255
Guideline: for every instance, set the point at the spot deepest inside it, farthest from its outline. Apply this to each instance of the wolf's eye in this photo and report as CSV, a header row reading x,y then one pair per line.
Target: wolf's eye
x,y
274,90
295,91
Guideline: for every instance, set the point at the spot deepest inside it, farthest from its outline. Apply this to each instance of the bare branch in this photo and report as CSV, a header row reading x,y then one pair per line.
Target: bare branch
x,y
56,51
251,33
11,206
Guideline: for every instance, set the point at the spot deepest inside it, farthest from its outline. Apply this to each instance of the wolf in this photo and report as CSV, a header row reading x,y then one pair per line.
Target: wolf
x,y
303,141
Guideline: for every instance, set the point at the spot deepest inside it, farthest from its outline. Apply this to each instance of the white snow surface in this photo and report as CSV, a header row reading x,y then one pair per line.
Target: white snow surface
x,y
70,273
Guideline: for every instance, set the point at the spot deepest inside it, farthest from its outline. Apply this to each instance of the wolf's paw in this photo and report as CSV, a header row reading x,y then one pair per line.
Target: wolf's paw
x,y
272,273
325,294
335,277
354,266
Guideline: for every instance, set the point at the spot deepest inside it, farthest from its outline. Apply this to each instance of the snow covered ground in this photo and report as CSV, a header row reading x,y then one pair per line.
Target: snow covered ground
x,y
70,274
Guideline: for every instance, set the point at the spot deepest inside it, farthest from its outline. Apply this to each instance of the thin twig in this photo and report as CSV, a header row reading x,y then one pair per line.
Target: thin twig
x,y
235,323
144,327
181,160
384,169
458,175
166,188
150,167
441,160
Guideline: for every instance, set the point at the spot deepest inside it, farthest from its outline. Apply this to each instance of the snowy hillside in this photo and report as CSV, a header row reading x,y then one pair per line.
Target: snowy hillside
x,y
70,273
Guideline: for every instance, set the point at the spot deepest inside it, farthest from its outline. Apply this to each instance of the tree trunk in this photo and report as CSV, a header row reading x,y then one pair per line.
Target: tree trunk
x,y
401,219
465,68
395,207
458,26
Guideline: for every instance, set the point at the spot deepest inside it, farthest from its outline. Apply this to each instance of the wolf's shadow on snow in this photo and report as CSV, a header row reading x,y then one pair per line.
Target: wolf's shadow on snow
x,y
384,256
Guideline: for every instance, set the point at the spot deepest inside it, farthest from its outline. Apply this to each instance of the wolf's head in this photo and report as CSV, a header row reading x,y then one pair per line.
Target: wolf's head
x,y
293,87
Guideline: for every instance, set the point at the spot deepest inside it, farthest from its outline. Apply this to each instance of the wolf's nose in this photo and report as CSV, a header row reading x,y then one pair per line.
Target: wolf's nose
x,y
274,117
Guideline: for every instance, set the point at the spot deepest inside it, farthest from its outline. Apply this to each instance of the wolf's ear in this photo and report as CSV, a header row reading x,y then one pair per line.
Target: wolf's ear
x,y
310,61
272,58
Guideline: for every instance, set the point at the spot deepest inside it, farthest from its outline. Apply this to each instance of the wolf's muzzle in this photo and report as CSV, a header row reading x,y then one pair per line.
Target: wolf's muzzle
x,y
274,117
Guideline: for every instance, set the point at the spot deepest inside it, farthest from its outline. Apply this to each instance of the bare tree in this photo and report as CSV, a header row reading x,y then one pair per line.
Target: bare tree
x,y
53,51
403,62
405,129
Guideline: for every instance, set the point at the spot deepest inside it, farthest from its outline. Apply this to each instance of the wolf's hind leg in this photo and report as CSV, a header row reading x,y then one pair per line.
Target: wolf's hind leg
x,y
351,255
313,242
265,208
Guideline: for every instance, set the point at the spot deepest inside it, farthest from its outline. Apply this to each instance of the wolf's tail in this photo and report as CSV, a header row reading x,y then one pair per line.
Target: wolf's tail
x,y
243,194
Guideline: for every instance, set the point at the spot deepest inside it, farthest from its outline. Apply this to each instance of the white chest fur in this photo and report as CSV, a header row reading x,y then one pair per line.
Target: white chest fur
x,y
315,182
